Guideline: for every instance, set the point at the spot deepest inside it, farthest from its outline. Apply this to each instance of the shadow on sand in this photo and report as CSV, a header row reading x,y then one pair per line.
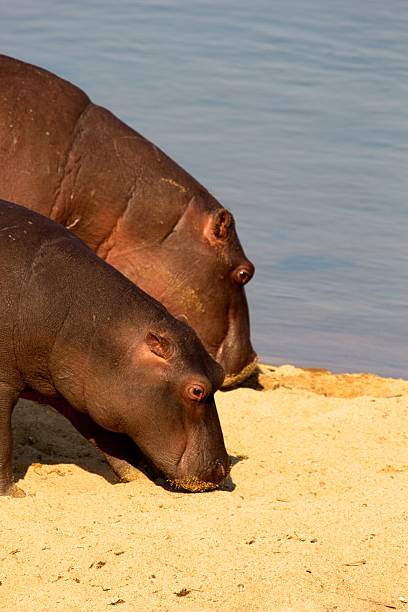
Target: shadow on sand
x,y
43,436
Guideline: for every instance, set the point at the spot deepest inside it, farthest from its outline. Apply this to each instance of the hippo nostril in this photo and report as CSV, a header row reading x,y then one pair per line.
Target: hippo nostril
x,y
219,471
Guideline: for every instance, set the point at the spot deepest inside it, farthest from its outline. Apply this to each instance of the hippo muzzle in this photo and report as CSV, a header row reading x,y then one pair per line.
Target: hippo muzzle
x,y
206,478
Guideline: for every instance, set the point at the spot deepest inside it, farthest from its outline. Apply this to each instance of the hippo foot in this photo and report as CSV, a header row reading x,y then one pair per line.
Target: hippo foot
x,y
13,491
122,469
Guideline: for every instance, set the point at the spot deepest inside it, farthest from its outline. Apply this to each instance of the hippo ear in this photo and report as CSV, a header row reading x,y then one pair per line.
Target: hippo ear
x,y
159,345
223,224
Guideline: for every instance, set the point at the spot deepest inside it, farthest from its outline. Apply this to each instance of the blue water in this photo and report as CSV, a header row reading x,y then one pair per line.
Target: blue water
x,y
294,114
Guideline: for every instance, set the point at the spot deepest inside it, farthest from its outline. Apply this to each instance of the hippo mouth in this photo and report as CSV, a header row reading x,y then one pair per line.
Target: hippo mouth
x,y
233,380
210,479
193,484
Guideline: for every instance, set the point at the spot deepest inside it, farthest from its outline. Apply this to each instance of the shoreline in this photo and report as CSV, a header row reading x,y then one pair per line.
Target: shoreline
x,y
325,382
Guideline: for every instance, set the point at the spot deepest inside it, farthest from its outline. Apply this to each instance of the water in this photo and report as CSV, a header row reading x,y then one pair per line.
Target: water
x,y
294,114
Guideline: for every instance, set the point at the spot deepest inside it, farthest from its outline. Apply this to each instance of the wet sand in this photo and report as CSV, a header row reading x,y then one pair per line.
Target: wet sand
x,y
314,516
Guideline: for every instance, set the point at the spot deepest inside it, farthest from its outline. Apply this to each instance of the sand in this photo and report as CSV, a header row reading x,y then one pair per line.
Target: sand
x,y
314,517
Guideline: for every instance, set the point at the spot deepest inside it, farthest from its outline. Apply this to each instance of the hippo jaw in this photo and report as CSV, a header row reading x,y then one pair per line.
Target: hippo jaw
x,y
185,479
186,475
202,465
188,483
235,353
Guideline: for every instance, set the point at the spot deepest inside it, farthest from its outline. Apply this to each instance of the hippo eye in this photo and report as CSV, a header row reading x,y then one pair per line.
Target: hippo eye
x,y
196,392
243,274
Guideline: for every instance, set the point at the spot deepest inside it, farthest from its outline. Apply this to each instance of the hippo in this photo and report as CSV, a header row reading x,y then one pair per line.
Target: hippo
x,y
77,334
77,163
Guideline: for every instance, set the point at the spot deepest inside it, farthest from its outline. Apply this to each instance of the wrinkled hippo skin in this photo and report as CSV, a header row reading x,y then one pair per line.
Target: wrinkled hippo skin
x,y
77,334
78,164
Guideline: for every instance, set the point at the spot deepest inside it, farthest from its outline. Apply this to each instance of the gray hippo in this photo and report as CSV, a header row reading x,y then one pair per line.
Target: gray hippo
x,y
77,334
78,164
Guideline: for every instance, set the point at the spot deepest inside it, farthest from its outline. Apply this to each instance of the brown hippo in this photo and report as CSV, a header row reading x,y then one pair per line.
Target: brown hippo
x,y
76,333
78,164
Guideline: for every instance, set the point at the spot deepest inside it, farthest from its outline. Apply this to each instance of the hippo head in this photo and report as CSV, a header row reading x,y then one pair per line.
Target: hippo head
x,y
197,269
160,392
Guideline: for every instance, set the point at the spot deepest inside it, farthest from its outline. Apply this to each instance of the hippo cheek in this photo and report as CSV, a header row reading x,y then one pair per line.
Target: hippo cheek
x,y
164,449
223,326
201,466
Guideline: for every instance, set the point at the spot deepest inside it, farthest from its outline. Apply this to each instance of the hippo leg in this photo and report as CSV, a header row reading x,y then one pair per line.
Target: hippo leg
x,y
8,398
118,449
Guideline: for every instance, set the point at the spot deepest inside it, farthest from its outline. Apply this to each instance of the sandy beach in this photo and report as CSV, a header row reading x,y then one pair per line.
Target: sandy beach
x,y
314,516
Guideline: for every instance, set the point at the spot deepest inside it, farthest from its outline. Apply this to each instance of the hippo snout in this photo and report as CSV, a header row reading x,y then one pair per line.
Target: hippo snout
x,y
219,470
204,479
